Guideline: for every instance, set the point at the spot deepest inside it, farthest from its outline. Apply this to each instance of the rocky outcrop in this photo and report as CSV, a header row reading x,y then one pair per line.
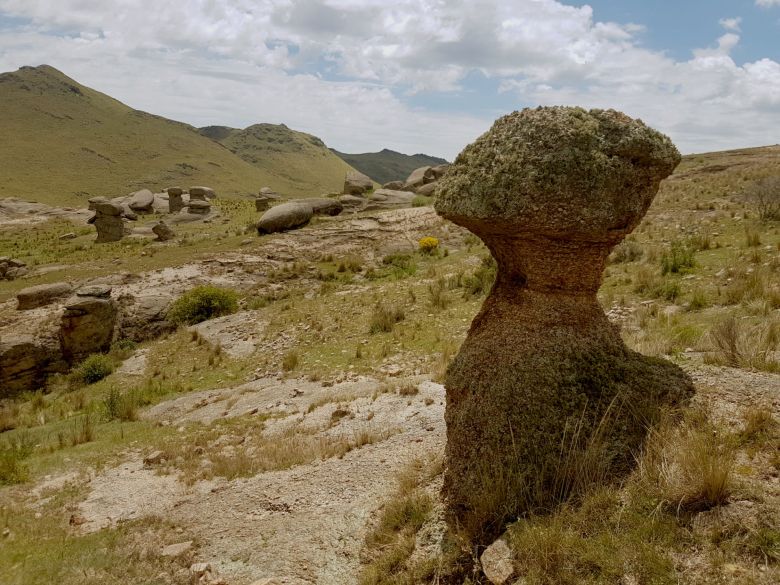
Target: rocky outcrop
x,y
12,268
143,317
550,191
356,183
107,220
26,361
286,216
43,294
88,323
163,231
423,180
141,201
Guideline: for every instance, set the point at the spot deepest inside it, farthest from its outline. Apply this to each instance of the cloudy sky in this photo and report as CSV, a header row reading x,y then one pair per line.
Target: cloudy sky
x,y
417,76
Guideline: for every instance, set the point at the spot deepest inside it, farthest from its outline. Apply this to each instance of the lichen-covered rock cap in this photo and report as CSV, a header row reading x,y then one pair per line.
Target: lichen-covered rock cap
x,y
558,171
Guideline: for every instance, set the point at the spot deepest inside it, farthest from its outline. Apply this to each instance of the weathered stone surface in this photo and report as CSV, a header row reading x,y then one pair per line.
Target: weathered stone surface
x,y
199,207
42,294
107,220
286,216
418,178
163,231
356,183
352,202
426,190
266,198
87,324
497,563
175,201
325,206
142,317
394,185
105,207
11,268
26,361
439,170
175,550
141,201
202,193
392,198
550,191
175,191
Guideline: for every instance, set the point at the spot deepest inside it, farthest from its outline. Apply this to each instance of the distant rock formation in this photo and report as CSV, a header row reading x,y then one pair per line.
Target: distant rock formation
x,y
107,220
550,191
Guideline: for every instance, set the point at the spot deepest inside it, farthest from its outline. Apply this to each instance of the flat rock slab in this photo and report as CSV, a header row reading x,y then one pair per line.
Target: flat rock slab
x,y
41,295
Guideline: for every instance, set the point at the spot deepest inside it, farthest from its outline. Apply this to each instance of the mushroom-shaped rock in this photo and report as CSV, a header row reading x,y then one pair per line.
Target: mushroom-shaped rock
x,y
202,193
286,216
107,219
543,382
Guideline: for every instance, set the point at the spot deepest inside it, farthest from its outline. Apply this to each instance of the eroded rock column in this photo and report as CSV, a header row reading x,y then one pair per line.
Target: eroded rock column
x,y
543,384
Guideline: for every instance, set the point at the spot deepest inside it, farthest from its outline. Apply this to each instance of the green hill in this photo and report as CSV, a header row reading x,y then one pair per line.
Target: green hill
x,y
388,165
300,160
64,142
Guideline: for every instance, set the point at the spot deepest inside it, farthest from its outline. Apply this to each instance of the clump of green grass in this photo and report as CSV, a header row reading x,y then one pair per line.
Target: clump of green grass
x,y
12,456
422,201
679,258
290,360
480,281
93,369
203,303
400,265
384,318
626,251
120,405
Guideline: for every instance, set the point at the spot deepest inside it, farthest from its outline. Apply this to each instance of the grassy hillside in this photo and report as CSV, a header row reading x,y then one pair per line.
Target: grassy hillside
x,y
66,142
301,162
388,165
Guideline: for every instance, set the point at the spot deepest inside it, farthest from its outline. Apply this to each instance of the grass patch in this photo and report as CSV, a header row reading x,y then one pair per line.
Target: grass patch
x,y
203,303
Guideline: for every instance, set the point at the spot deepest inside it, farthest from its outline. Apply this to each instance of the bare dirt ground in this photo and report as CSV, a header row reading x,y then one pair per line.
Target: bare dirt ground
x,y
301,525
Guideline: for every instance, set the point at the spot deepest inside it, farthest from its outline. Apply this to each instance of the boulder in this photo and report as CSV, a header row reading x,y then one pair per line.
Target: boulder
x,y
427,190
392,198
356,183
103,206
439,170
394,185
202,193
497,562
286,216
325,206
87,324
12,268
43,294
550,191
419,177
163,231
141,201
352,202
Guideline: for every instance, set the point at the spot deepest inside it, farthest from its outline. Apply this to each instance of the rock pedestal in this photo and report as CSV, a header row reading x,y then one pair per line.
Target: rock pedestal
x,y
199,207
356,183
107,220
175,201
543,384
88,323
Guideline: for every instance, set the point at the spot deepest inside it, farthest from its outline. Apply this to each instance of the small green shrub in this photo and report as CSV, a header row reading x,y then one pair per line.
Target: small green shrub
x,y
626,251
400,265
94,368
12,468
678,259
203,303
481,280
422,201
120,406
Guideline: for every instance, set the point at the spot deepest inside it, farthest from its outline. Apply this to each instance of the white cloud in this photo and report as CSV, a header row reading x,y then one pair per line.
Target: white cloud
x,y
767,3
345,69
731,23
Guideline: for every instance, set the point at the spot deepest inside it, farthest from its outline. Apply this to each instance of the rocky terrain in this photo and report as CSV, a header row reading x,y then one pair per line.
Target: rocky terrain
x,y
299,438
